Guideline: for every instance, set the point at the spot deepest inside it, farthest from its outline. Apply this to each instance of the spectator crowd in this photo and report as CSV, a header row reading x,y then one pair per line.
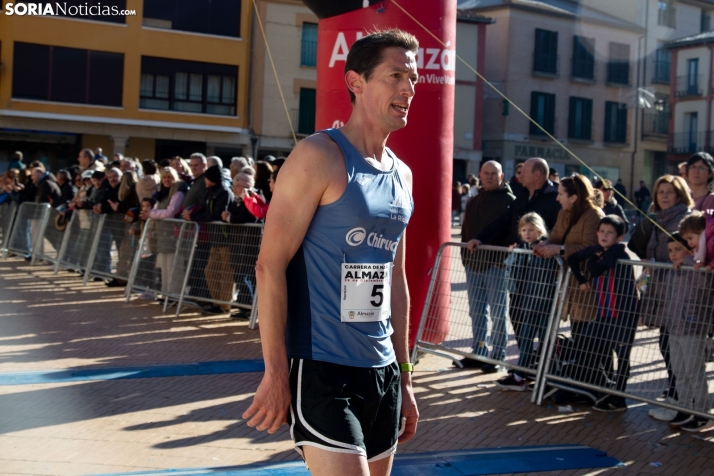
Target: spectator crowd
x,y
571,217
201,189
582,222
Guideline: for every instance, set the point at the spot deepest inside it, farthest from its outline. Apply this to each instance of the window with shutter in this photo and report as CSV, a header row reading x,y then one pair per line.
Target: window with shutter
x,y
615,122
580,118
618,67
543,112
545,55
583,58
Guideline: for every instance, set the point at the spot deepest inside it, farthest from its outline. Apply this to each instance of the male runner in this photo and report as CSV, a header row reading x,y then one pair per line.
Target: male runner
x,y
333,294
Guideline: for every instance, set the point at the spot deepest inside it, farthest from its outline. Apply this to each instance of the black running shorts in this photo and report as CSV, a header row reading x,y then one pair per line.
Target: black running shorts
x,y
345,409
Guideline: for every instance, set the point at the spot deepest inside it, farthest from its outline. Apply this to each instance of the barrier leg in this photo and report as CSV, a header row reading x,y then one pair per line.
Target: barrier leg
x,y
93,252
135,264
13,224
429,295
188,269
540,383
254,312
65,242
553,320
40,239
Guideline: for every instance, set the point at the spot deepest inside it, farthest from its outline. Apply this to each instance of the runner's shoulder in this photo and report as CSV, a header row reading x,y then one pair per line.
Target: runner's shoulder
x,y
316,152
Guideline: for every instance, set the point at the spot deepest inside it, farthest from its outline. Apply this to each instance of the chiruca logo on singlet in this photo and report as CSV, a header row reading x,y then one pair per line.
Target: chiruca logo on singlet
x,y
356,236
378,241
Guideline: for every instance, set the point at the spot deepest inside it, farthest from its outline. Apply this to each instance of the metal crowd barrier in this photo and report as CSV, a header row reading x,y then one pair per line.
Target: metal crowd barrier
x,y
467,311
163,251
50,244
113,249
652,345
222,268
642,331
7,217
77,241
28,229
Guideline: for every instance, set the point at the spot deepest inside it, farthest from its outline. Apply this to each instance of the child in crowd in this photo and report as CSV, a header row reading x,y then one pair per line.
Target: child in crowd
x,y
616,319
689,307
145,273
531,281
137,228
697,229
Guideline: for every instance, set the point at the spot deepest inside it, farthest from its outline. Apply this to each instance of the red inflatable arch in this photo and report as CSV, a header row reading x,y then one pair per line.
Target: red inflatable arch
x,y
426,144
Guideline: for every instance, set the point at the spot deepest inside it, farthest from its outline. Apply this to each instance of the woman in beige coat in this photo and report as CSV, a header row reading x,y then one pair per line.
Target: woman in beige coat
x,y
576,228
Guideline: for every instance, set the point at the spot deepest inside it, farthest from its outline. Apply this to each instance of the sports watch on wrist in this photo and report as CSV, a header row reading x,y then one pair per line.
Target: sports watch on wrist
x,y
406,367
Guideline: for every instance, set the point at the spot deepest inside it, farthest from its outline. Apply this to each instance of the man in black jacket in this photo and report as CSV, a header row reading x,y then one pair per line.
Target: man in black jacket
x,y
218,271
538,195
46,191
109,195
485,272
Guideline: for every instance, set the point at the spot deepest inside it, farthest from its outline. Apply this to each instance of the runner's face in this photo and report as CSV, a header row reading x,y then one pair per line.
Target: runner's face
x,y
390,89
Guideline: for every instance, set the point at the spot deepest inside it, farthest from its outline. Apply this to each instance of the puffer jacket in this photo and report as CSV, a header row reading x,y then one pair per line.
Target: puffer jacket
x,y
688,301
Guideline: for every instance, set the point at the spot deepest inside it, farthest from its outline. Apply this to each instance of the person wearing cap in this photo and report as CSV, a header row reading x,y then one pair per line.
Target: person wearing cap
x,y
217,200
553,176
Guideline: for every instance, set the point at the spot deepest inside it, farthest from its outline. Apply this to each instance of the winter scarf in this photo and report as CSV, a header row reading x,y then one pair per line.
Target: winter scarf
x,y
669,220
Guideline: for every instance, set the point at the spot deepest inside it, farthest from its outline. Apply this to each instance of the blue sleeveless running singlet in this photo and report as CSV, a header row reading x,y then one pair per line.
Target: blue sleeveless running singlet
x,y
363,226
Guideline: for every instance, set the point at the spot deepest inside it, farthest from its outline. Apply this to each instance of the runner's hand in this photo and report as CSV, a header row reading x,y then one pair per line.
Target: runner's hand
x,y
409,410
269,409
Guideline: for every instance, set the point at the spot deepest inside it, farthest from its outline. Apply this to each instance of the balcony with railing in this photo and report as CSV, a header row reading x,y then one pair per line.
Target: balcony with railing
x,y
545,64
661,72
689,86
688,142
656,124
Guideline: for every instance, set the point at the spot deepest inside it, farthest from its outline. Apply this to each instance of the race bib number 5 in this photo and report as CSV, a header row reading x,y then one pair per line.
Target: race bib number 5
x,y
366,292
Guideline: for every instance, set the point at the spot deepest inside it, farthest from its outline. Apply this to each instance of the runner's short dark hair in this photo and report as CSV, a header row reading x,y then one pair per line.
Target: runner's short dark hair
x,y
366,53
614,221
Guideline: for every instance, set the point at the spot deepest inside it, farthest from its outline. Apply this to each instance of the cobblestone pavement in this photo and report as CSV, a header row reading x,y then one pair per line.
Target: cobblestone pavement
x,y
53,322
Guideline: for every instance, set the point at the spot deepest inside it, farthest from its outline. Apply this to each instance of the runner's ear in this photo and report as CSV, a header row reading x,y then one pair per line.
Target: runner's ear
x,y
354,81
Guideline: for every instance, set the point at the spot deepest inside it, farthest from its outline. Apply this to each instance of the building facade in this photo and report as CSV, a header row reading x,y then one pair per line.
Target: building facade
x,y
291,31
691,96
570,68
468,96
171,79
663,21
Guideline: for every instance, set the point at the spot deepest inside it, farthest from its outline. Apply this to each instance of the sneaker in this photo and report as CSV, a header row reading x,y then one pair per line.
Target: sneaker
x,y
611,403
213,310
511,382
662,414
240,314
680,419
698,424
114,283
490,368
469,363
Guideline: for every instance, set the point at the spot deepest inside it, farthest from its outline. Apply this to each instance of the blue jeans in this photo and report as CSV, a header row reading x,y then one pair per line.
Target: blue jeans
x,y
488,297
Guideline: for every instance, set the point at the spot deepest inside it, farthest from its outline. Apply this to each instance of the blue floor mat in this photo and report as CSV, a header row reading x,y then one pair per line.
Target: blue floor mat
x,y
522,459
145,371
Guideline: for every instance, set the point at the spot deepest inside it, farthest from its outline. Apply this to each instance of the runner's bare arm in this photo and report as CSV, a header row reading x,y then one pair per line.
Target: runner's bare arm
x,y
306,179
400,323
